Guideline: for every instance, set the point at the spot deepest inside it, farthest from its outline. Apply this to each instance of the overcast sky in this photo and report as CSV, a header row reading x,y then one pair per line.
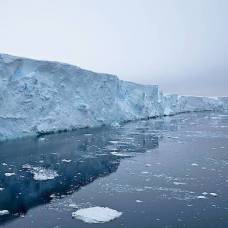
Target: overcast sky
x,y
182,45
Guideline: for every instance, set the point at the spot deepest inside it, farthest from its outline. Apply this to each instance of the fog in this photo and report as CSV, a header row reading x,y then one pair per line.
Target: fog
x,y
180,45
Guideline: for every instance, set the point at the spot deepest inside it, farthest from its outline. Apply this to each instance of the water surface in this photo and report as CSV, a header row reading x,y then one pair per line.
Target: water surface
x,y
158,173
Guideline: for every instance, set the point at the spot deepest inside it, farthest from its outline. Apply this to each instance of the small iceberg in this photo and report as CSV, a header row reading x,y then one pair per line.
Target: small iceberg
x,y
96,214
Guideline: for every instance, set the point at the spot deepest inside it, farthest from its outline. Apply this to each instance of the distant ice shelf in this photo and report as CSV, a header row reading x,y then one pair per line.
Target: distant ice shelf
x,y
39,97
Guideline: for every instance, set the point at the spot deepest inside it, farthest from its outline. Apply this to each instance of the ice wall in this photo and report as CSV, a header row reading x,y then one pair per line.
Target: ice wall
x,y
41,96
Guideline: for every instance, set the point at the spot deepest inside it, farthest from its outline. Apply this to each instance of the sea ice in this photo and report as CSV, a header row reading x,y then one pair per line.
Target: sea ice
x,y
4,212
195,164
66,160
40,173
9,174
201,197
178,183
96,214
213,194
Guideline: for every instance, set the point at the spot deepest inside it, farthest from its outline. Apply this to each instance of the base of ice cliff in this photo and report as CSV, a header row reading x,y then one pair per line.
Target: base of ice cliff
x,y
40,96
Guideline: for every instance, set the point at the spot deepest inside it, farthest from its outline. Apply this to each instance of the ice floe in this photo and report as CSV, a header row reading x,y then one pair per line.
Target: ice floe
x,y
41,173
9,174
96,214
4,212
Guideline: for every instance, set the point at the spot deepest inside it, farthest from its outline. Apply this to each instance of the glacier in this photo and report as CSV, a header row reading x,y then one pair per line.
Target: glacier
x,y
38,97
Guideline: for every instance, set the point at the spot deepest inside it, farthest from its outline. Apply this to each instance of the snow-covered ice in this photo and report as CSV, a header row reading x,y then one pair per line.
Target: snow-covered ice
x,y
39,97
96,214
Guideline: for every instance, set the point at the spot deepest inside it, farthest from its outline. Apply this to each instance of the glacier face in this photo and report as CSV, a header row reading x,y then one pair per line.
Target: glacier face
x,y
41,96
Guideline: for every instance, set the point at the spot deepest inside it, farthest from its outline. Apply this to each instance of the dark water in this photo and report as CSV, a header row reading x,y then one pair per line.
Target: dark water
x,y
165,163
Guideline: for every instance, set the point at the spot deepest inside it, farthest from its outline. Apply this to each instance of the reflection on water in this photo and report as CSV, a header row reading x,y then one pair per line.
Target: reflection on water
x,y
166,172
76,158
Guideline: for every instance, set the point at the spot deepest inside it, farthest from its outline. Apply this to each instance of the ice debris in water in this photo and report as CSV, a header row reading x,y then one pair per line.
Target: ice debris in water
x,y
201,197
4,212
195,164
213,194
66,160
40,173
139,201
9,174
119,154
178,183
96,214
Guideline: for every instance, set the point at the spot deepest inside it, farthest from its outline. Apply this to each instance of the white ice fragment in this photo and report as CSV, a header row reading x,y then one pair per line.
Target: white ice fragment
x,y
148,165
41,173
201,197
213,194
9,174
66,160
1,189
195,164
139,201
73,205
144,172
96,214
204,193
4,212
4,164
178,183
113,142
119,154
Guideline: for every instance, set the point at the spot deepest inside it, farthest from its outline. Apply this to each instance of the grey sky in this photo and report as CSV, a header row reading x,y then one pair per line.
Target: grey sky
x,y
182,45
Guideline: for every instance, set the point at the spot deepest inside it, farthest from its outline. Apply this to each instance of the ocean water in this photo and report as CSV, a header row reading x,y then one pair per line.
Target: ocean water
x,y
164,172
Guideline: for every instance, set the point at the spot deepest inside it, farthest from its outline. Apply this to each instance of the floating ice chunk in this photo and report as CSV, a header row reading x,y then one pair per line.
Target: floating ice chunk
x,y
178,183
144,172
4,164
41,139
113,142
9,174
1,189
65,160
204,193
4,212
213,194
201,197
73,205
119,154
96,214
40,173
139,201
148,165
195,164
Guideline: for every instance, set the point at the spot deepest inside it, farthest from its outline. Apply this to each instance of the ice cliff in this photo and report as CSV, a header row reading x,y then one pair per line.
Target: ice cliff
x,y
40,96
